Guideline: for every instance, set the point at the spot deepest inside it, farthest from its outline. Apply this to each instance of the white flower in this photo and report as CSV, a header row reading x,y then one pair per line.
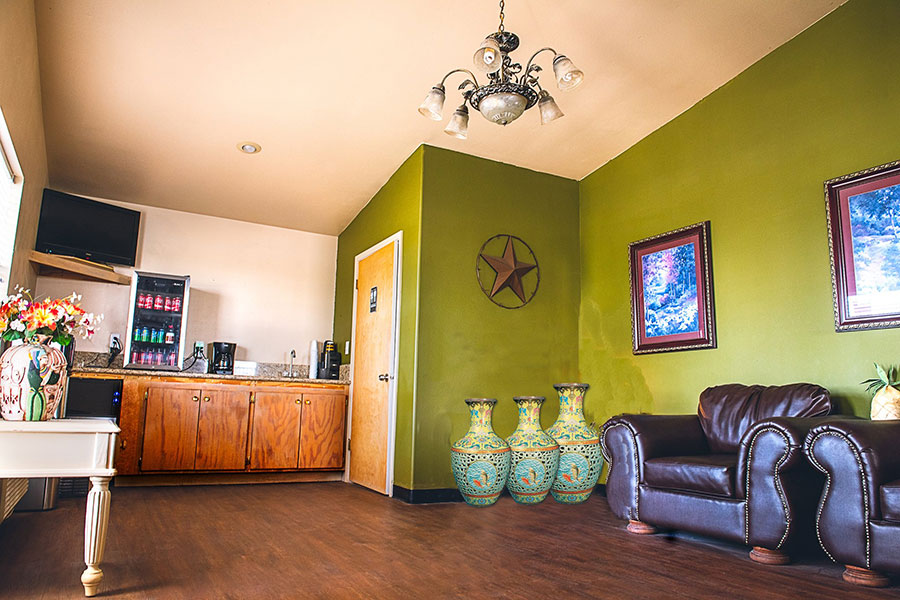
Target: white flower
x,y
17,325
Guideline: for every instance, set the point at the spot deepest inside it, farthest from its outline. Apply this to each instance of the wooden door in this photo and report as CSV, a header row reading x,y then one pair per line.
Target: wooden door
x,y
222,430
372,364
275,437
170,429
322,431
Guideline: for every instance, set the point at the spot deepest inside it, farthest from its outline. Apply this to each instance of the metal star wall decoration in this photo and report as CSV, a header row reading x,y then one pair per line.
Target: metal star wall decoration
x,y
508,271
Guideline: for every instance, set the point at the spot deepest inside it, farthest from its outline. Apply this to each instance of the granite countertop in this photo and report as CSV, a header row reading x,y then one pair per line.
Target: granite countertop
x,y
195,375
91,362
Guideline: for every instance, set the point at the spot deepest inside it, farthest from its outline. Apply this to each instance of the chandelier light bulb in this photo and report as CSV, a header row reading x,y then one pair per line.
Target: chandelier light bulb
x,y
549,110
567,74
433,104
458,126
487,58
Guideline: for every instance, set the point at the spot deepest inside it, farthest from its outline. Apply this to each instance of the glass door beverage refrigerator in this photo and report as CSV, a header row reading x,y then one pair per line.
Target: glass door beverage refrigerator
x,y
157,321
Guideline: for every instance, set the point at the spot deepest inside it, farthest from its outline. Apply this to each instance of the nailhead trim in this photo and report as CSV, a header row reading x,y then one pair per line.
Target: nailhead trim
x,y
781,494
865,489
608,456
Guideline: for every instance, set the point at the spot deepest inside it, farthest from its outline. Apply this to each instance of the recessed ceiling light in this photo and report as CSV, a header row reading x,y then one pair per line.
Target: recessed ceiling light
x,y
249,147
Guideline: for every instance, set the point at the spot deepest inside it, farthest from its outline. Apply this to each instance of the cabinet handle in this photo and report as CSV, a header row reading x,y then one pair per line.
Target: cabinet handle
x,y
297,400
122,444
196,399
206,399
307,401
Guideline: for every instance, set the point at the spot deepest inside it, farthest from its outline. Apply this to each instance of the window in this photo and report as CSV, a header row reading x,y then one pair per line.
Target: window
x,y
10,197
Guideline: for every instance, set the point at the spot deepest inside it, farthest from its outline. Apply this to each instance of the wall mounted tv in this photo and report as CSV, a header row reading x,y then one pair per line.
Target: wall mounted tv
x,y
75,226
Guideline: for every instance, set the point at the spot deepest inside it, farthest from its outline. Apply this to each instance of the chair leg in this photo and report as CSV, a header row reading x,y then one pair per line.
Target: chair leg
x,y
865,577
641,528
769,557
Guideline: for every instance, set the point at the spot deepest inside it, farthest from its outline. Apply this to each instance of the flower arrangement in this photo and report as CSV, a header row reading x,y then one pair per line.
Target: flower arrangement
x,y
23,317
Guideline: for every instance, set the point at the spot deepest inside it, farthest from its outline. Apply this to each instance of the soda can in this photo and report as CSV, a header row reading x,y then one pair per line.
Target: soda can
x,y
159,303
159,358
145,334
135,357
167,306
176,304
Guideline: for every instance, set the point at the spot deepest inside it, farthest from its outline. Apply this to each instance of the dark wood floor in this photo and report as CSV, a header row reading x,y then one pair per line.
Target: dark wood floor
x,y
335,541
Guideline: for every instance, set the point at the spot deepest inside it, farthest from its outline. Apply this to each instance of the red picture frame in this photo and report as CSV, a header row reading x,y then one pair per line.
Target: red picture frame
x,y
672,304
863,213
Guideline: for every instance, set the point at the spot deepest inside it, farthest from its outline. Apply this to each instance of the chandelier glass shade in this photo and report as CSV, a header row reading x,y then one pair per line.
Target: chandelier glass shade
x,y
510,89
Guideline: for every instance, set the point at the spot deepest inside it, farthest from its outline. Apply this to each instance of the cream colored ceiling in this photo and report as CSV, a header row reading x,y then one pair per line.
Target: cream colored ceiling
x,y
145,101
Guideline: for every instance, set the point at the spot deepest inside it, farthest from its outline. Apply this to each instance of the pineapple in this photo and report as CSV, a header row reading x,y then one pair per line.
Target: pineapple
x,y
886,402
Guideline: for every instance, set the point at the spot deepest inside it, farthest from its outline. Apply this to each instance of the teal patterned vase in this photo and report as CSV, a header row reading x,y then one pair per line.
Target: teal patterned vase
x,y
535,455
580,459
480,460
32,381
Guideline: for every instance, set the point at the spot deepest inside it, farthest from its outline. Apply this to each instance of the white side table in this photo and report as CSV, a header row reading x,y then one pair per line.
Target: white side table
x,y
67,448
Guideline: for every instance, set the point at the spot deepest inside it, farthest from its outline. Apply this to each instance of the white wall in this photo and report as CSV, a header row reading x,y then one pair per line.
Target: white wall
x,y
266,288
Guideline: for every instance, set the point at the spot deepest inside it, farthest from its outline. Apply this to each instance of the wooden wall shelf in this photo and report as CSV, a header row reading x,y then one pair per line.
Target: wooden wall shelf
x,y
68,267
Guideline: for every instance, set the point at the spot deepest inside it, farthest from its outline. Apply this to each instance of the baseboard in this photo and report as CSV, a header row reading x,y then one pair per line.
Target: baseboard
x,y
449,494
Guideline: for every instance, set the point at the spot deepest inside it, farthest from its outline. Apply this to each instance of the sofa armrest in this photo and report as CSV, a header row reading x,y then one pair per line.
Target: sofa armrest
x,y
629,440
777,482
857,457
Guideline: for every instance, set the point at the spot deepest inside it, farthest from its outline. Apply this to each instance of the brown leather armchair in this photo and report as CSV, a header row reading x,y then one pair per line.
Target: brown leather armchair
x,y
734,471
858,520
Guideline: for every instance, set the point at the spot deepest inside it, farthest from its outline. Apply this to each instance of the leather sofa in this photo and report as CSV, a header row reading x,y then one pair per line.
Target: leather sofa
x,y
734,471
858,521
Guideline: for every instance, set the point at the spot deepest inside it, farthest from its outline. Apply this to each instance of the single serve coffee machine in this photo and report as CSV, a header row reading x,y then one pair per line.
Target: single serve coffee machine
x,y
329,362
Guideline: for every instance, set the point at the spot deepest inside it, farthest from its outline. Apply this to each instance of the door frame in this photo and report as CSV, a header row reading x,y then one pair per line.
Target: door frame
x,y
397,240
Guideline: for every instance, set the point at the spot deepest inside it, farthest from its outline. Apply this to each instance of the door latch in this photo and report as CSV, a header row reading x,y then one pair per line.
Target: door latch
x,y
384,377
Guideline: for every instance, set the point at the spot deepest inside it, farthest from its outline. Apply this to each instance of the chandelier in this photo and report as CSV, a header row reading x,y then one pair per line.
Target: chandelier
x,y
510,90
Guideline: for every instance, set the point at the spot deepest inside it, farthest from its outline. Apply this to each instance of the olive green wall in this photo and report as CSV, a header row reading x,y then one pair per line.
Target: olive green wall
x,y
396,207
469,347
751,158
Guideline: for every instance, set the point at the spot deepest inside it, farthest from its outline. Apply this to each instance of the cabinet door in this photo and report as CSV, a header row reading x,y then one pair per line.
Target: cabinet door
x,y
322,431
276,430
222,432
170,429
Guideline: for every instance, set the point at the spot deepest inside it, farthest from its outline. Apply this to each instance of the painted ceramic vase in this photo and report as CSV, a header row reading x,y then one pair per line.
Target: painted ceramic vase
x,y
32,381
580,458
535,455
480,460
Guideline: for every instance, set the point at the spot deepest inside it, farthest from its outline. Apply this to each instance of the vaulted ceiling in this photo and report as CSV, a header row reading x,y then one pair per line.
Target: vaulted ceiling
x,y
146,102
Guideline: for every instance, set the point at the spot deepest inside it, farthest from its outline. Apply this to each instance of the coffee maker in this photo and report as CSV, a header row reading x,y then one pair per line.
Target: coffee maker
x,y
329,362
221,358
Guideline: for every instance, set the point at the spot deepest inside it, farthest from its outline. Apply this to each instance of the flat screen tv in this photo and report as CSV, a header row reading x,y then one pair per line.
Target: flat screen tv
x,y
75,226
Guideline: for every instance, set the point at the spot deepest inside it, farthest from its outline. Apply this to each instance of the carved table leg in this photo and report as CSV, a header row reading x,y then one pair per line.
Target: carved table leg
x,y
641,528
95,522
769,557
865,577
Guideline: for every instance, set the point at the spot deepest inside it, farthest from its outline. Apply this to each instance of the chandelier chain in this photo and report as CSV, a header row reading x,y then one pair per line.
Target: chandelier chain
x,y
502,5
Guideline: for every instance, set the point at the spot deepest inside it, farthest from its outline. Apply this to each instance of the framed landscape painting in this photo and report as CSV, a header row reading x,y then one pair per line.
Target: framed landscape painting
x,y
863,212
671,291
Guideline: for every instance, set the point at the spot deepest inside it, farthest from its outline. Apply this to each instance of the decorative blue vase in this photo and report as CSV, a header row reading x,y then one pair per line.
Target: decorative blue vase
x,y
580,458
535,455
480,460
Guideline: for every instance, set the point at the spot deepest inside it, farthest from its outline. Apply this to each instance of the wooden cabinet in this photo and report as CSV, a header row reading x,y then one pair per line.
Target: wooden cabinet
x,y
189,429
222,430
298,431
275,436
322,431
179,425
170,429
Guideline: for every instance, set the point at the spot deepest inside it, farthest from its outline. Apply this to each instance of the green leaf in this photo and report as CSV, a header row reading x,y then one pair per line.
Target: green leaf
x,y
881,374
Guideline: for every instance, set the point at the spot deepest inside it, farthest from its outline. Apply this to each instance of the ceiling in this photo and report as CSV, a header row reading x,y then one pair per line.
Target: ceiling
x,y
145,102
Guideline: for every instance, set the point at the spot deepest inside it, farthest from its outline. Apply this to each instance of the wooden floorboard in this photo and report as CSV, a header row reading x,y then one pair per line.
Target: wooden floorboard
x,y
339,541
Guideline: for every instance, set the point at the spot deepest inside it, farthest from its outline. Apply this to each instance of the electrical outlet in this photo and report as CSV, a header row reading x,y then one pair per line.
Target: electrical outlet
x,y
115,340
